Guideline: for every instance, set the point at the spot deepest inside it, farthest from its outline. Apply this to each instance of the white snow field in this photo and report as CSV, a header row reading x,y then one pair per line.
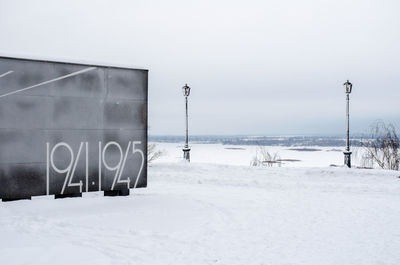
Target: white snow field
x,y
308,156
203,213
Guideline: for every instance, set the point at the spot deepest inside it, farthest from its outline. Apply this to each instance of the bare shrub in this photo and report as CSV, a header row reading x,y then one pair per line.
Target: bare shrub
x,y
265,158
382,147
153,153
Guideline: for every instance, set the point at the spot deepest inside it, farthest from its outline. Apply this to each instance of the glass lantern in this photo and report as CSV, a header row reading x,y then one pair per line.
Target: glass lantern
x,y
186,90
348,87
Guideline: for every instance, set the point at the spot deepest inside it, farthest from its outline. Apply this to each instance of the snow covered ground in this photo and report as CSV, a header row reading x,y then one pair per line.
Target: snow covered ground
x,y
203,213
307,156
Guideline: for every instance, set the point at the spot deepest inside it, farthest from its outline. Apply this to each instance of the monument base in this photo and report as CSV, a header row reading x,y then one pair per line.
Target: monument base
x,y
16,199
113,193
70,195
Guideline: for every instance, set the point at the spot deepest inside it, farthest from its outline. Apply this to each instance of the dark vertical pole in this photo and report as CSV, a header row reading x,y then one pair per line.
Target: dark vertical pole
x,y
347,153
186,149
347,124
187,125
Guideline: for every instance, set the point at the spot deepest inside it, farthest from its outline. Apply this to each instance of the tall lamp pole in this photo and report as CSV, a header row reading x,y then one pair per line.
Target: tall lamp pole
x,y
186,149
347,154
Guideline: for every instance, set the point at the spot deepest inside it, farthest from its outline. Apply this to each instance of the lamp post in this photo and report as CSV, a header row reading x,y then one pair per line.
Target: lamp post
x,y
347,154
186,149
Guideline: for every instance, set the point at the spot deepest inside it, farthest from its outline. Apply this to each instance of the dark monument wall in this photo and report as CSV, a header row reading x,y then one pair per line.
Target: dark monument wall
x,y
71,128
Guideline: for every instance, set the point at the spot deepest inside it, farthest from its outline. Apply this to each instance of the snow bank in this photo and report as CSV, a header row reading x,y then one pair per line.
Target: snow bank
x,y
215,214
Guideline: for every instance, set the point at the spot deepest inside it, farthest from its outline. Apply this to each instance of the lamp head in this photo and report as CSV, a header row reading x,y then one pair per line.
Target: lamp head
x,y
186,90
348,87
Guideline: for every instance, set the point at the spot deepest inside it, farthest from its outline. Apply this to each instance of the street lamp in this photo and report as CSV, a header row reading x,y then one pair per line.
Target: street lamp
x,y
347,154
186,149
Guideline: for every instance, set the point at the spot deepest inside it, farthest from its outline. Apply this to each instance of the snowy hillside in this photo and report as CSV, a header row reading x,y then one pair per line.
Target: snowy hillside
x,y
215,214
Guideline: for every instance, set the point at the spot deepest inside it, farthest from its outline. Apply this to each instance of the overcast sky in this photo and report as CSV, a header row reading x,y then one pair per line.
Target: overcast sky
x,y
255,67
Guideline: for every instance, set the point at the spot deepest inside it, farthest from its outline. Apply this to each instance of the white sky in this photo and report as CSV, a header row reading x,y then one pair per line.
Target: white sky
x,y
255,67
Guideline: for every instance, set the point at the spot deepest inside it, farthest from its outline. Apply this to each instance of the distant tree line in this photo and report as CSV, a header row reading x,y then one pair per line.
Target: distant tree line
x,y
263,140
